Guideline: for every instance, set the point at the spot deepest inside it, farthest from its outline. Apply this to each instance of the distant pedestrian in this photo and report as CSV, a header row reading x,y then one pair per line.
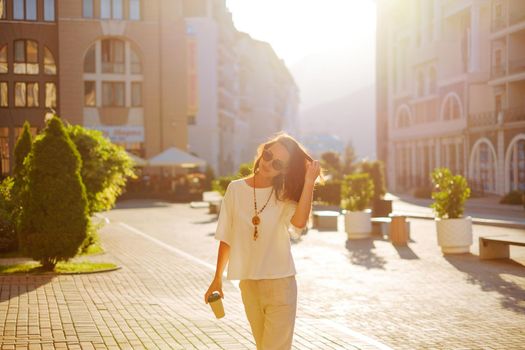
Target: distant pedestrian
x,y
258,215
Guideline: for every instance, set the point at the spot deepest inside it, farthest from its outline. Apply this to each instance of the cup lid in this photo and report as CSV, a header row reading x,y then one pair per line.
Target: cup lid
x,y
214,297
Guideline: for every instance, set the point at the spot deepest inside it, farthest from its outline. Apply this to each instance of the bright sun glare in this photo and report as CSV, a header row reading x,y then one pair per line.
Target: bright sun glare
x,y
297,28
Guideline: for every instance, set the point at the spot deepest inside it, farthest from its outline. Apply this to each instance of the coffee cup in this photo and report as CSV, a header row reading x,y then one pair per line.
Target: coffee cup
x,y
215,302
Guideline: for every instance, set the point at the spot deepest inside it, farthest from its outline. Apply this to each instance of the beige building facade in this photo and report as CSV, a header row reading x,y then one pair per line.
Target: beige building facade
x,y
123,71
451,92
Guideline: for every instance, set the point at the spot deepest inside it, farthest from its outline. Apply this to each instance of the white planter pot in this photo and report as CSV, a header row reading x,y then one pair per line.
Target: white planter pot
x,y
454,235
358,224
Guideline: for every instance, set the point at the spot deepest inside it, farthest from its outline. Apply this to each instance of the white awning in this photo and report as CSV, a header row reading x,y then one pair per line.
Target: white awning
x,y
175,157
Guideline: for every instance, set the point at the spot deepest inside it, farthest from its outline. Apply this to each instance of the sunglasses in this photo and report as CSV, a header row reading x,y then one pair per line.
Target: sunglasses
x,y
277,164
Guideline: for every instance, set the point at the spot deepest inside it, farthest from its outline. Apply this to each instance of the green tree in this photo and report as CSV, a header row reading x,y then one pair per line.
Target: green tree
x,y
376,170
356,191
245,169
349,159
332,163
22,149
54,220
105,167
8,237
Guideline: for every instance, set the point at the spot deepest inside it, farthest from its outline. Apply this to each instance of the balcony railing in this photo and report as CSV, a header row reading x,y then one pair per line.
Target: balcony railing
x,y
509,115
517,66
482,119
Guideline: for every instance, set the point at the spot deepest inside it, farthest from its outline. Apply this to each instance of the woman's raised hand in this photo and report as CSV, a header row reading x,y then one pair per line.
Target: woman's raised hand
x,y
215,286
313,169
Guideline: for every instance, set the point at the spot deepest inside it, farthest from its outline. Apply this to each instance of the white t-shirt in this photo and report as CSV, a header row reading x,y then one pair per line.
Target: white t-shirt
x,y
270,255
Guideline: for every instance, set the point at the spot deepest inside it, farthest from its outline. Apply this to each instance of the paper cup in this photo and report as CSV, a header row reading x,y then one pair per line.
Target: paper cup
x,y
215,302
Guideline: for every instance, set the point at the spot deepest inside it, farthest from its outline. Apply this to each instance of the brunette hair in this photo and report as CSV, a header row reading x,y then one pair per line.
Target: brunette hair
x,y
288,186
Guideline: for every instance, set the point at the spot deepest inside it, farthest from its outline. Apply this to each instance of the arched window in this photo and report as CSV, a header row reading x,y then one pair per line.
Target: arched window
x,y
451,108
3,60
483,166
26,57
50,67
516,164
403,117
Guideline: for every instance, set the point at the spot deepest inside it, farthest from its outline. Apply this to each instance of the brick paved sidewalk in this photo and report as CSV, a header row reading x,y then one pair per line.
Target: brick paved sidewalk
x,y
153,302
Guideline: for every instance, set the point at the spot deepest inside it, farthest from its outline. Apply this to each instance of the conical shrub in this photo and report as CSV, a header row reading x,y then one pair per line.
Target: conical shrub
x,y
54,220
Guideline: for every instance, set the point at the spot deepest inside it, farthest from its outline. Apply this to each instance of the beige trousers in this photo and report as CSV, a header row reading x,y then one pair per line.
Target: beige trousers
x,y
270,306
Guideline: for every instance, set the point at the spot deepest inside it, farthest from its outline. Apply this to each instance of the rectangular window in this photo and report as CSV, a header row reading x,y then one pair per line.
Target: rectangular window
x,y
134,10
105,9
31,10
26,57
90,95
20,94
136,94
87,8
112,94
51,95
112,56
4,101
117,9
3,59
32,95
18,9
49,10
3,9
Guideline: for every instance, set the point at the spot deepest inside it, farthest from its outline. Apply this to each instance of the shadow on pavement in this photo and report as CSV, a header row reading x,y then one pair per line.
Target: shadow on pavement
x,y
16,285
406,253
361,253
488,275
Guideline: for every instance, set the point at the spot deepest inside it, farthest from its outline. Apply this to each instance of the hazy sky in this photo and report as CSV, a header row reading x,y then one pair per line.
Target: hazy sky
x,y
298,28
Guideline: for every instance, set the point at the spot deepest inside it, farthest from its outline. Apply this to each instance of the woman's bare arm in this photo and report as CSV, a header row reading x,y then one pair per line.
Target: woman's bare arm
x,y
302,212
222,259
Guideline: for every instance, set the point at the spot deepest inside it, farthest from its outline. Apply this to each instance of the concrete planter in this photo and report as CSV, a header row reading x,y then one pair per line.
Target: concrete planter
x,y
358,224
454,235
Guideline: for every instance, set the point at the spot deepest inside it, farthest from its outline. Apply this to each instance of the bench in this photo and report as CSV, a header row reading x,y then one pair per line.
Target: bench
x,y
381,226
325,220
214,199
497,247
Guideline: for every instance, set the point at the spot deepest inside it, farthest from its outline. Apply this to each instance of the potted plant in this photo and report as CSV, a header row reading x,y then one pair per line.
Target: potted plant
x,y
380,207
356,193
454,231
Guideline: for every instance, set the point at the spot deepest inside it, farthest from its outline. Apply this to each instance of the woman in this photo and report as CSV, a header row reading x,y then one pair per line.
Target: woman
x,y
258,215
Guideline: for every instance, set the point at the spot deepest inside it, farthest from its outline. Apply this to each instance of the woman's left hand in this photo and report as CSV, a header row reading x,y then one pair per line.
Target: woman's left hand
x,y
313,169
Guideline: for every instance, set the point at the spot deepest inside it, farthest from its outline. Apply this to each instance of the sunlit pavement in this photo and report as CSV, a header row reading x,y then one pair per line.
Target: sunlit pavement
x,y
363,294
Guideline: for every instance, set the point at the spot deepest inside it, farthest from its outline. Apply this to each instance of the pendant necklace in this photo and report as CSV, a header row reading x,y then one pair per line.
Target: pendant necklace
x,y
256,220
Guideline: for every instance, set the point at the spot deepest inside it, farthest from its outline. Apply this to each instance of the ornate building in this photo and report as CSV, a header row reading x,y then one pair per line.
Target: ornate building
x,y
451,91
